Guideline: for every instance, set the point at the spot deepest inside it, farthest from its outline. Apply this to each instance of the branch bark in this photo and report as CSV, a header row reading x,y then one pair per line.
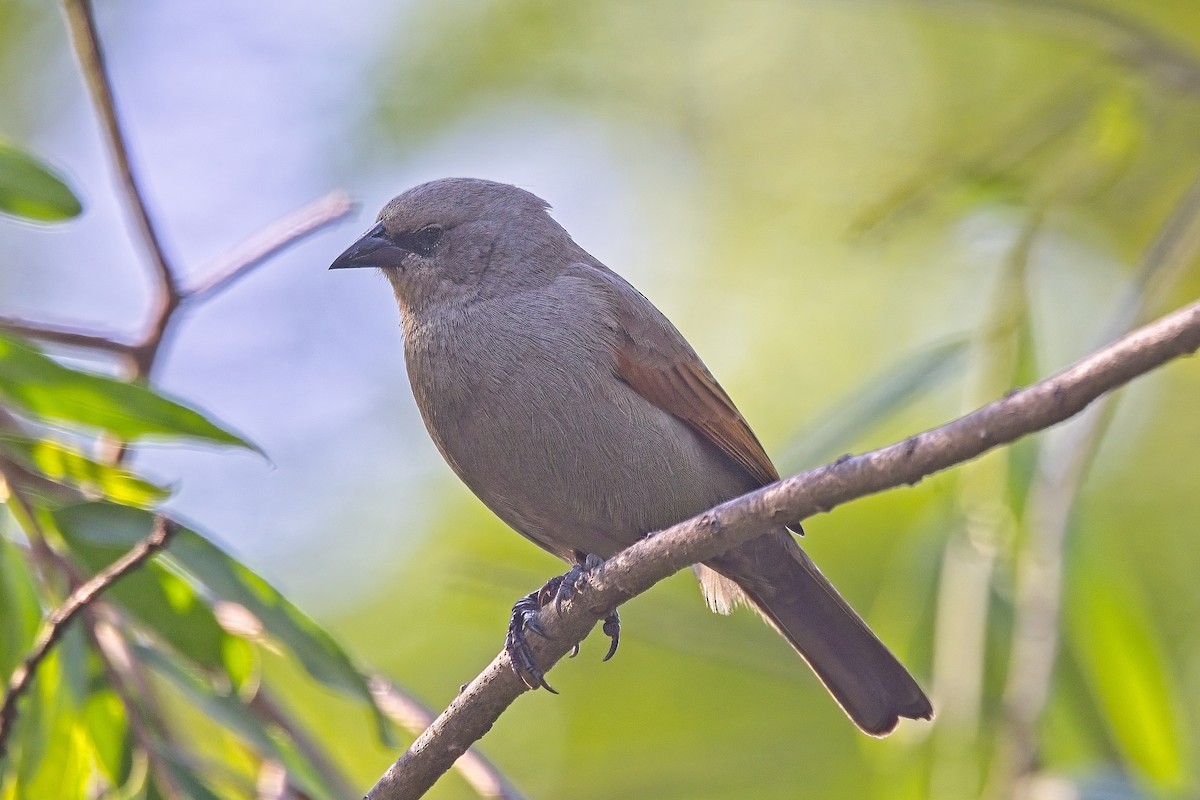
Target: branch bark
x,y
640,566
86,40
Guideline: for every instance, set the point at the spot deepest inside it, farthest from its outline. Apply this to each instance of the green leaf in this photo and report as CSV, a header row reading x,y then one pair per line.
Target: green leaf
x,y
104,720
20,611
154,595
63,463
225,710
224,578
883,395
50,391
51,762
228,712
1111,631
30,189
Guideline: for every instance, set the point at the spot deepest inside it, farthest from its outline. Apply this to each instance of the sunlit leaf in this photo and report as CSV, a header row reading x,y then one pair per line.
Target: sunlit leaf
x,y
53,761
65,464
46,389
224,578
108,729
30,189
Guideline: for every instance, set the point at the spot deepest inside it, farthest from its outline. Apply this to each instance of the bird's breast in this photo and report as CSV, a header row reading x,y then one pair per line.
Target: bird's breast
x,y
523,402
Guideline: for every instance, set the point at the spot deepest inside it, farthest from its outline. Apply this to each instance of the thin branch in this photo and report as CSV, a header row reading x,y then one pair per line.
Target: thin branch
x,y
270,241
86,39
412,715
65,336
56,624
640,566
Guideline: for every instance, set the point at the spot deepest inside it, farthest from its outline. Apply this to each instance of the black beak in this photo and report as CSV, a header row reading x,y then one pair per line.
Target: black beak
x,y
373,249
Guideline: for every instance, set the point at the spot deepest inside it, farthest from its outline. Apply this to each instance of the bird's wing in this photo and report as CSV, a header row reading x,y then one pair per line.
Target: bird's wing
x,y
658,363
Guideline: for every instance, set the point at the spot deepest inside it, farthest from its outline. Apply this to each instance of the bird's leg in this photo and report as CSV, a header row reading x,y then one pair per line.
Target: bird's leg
x,y
524,618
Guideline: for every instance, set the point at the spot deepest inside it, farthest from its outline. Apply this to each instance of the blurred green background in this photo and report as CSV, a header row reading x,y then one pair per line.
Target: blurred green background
x,y
868,217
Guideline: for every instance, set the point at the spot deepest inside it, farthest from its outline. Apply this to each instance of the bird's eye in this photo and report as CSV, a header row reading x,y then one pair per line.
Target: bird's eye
x,y
425,239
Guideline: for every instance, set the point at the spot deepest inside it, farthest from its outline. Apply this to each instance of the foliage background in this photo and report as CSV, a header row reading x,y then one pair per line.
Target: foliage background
x,y
919,203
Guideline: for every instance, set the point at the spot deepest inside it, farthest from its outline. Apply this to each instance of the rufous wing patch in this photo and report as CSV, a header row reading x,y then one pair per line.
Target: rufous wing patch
x,y
684,388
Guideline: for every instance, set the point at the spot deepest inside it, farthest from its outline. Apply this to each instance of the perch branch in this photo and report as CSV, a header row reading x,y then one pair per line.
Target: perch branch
x,y
634,570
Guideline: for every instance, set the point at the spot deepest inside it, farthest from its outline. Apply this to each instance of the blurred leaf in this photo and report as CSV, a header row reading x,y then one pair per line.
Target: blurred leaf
x,y
1112,634
229,712
223,709
192,785
153,595
104,720
30,189
225,578
48,390
64,464
317,651
885,394
241,663
20,611
52,761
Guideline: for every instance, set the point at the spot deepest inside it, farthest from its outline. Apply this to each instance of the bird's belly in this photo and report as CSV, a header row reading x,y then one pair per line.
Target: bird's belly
x,y
587,466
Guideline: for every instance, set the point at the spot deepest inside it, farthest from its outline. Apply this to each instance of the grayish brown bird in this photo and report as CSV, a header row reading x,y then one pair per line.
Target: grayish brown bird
x,y
578,413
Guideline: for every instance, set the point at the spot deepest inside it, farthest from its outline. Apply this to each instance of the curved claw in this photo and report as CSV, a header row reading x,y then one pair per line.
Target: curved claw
x,y
612,629
568,585
524,618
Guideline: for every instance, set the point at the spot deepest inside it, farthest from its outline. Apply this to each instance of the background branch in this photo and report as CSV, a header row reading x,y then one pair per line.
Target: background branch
x,y
269,242
86,40
70,337
640,566
479,773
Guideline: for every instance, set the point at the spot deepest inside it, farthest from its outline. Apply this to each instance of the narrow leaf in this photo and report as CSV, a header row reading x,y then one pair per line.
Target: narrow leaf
x,y
30,189
154,595
48,390
224,578
62,463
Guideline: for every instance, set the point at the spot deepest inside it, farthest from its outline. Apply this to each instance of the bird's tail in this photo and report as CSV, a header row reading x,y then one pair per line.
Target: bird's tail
x,y
778,579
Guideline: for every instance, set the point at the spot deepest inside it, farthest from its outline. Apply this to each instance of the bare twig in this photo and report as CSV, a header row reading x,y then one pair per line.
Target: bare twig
x,y
65,336
640,566
270,241
56,624
413,716
86,40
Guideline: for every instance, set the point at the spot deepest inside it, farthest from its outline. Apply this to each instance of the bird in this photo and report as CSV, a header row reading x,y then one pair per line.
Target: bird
x,y
579,414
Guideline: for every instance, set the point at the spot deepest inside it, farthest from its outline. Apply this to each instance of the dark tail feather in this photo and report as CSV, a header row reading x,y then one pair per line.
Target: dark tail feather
x,y
785,586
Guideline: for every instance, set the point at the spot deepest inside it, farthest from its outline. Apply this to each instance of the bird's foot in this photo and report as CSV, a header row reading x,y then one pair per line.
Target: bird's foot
x,y
524,618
